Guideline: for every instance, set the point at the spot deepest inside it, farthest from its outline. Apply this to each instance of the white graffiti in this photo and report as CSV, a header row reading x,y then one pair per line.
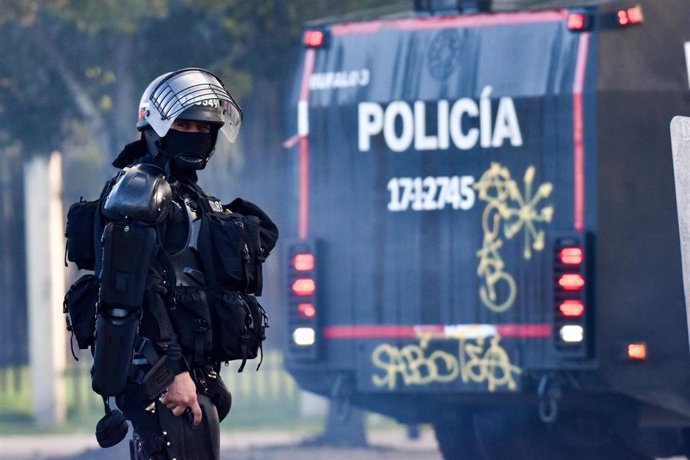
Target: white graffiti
x,y
479,360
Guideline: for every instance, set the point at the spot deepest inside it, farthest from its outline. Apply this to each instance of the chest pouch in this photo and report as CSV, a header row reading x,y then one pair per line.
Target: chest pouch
x,y
233,248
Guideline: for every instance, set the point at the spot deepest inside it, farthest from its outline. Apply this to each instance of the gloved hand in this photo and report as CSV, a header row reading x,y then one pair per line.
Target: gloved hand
x,y
181,395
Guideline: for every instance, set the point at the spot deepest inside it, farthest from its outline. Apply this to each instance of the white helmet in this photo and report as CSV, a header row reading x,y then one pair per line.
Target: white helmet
x,y
189,94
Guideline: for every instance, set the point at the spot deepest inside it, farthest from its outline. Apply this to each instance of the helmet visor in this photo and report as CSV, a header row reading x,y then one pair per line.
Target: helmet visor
x,y
193,89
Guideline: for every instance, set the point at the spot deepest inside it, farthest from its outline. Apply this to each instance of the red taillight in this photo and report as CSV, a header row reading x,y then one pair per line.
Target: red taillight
x,y
637,351
570,255
303,305
630,16
313,38
571,281
306,309
571,308
577,21
304,286
303,262
635,15
570,299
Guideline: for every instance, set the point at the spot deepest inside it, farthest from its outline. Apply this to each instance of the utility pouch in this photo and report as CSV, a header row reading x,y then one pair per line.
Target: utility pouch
x,y
240,327
262,235
219,394
268,230
79,307
191,319
79,232
124,273
234,249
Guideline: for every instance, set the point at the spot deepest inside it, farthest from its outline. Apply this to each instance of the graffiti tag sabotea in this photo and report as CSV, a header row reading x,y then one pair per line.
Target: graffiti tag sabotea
x,y
478,360
509,211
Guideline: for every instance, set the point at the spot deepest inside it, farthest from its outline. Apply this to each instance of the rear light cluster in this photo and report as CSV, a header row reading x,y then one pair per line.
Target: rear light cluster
x,y
302,308
629,16
582,20
579,21
314,38
570,296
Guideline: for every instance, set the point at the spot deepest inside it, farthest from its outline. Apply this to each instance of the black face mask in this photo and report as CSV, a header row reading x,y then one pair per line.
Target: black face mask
x,y
189,150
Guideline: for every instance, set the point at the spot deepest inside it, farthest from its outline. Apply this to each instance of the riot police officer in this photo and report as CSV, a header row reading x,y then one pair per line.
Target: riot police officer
x,y
155,354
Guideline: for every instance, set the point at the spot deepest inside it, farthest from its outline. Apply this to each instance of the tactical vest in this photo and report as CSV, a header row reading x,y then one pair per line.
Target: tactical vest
x,y
215,315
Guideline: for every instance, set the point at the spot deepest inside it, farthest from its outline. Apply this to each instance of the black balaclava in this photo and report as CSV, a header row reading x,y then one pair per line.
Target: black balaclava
x,y
189,150
181,154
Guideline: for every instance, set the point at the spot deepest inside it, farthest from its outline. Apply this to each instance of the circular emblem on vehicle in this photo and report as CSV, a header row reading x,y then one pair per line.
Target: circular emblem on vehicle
x,y
443,54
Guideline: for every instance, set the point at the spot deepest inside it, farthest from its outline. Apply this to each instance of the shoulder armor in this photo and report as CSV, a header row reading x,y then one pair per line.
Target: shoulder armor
x,y
141,193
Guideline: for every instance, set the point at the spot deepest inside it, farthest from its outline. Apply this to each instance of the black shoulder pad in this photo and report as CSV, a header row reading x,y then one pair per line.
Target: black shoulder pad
x,y
141,193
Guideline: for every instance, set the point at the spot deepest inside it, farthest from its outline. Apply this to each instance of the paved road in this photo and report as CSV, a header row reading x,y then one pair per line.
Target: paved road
x,y
383,445
390,444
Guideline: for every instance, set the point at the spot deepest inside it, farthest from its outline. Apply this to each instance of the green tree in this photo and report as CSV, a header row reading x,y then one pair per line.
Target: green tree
x,y
86,61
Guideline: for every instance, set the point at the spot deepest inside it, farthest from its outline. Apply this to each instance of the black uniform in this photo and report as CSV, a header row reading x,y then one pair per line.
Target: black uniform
x,y
178,272
161,326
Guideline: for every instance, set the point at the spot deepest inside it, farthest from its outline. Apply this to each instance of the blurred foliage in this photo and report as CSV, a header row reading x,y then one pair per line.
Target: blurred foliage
x,y
84,61
124,16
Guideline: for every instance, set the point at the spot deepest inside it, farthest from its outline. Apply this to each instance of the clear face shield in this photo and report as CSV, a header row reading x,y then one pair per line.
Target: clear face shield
x,y
188,88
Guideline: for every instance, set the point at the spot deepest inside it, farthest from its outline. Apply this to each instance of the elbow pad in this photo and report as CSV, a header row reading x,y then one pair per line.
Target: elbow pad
x,y
141,193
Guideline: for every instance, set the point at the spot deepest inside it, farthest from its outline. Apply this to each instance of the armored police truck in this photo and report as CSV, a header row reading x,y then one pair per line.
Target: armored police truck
x,y
484,232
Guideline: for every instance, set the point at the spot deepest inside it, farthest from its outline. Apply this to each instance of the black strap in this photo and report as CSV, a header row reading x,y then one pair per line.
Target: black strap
x,y
144,347
261,350
71,338
99,224
166,332
247,256
200,329
204,240
243,345
259,276
169,278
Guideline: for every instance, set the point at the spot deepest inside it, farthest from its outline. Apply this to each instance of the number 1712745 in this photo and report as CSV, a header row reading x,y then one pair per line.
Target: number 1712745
x,y
431,193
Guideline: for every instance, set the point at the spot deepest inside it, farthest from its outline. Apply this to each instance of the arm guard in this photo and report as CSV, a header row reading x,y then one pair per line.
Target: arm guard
x,y
128,250
137,201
